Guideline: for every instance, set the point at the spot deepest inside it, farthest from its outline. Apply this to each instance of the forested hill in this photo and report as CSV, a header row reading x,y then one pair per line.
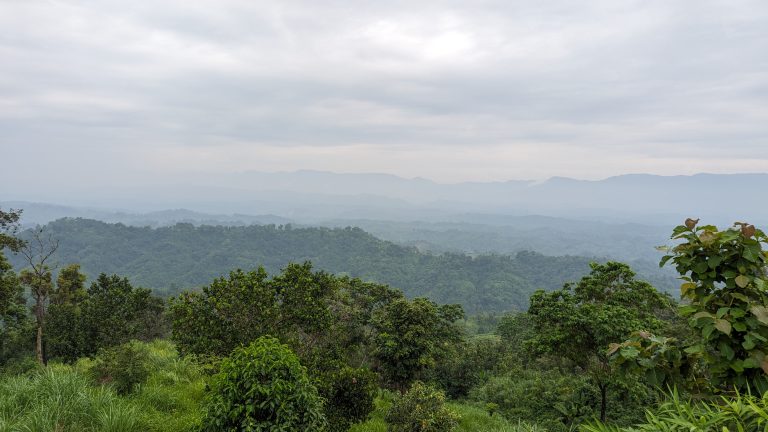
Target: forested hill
x,y
182,256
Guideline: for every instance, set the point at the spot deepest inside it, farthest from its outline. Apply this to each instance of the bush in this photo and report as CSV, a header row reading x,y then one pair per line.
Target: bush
x,y
725,291
349,395
421,409
469,365
124,366
263,387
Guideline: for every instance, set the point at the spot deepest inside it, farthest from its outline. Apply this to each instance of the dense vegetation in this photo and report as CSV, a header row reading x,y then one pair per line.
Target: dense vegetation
x,y
183,256
304,349
508,235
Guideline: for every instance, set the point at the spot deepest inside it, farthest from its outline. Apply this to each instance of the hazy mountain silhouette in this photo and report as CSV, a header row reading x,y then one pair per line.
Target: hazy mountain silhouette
x,y
313,196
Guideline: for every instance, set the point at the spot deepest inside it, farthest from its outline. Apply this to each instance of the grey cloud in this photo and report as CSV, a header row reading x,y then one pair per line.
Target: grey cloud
x,y
654,78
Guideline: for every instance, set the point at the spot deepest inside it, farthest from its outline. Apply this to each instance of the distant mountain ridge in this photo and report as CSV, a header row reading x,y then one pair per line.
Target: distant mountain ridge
x,y
311,196
43,213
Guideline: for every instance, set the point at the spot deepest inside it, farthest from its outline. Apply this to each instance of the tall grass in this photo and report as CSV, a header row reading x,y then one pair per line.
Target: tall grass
x,y
63,398
59,399
742,413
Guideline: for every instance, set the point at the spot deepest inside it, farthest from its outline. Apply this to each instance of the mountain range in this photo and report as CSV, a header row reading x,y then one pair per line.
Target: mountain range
x,y
312,196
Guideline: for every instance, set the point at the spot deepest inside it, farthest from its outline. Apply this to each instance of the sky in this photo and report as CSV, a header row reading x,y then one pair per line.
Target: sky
x,y
112,92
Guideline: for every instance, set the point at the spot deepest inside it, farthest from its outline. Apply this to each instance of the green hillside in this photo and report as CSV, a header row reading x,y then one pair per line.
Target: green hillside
x,y
181,256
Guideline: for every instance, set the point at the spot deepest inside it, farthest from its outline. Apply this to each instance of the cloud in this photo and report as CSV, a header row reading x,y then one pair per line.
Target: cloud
x,y
481,90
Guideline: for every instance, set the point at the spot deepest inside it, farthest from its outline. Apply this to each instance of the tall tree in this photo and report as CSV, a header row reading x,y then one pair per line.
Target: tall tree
x,y
70,286
64,328
411,336
116,312
38,253
110,312
577,323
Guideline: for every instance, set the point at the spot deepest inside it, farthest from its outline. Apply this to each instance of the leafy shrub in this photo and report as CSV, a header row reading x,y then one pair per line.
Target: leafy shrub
x,y
263,387
726,288
349,395
421,409
124,366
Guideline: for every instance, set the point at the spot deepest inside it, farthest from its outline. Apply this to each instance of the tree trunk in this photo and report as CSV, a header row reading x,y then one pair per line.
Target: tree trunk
x,y
40,318
603,400
39,345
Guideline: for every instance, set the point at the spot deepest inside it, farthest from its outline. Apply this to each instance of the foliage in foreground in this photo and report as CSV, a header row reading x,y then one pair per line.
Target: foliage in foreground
x,y
263,387
725,288
737,413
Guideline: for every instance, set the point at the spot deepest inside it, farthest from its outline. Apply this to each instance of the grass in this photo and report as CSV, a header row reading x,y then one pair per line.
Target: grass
x,y
60,399
727,413
63,398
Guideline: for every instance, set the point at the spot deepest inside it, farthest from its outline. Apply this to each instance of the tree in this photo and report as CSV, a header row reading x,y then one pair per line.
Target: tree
x,y
109,313
324,319
38,253
466,364
115,312
515,329
411,336
70,286
237,310
263,387
578,322
13,316
65,338
9,226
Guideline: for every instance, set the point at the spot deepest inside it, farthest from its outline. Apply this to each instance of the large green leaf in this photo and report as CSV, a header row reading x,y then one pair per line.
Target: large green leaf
x,y
742,281
723,325
703,314
760,312
686,288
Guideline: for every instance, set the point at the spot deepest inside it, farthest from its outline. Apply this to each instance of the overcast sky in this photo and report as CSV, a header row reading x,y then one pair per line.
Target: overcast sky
x,y
118,91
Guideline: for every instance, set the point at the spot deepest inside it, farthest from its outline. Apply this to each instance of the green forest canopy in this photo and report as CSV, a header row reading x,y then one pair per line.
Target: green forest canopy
x,y
171,258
